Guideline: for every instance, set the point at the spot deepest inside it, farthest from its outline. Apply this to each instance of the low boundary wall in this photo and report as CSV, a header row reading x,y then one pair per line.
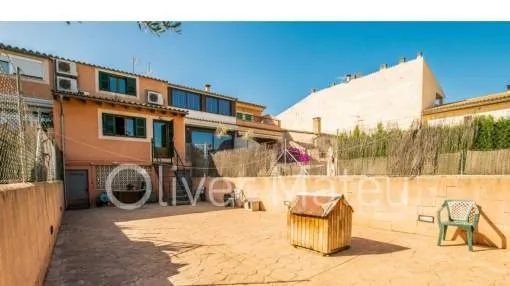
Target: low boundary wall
x,y
391,203
30,216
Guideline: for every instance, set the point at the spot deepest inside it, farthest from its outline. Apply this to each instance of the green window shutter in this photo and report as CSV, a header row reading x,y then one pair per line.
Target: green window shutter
x,y
108,124
248,117
131,86
140,127
104,83
239,115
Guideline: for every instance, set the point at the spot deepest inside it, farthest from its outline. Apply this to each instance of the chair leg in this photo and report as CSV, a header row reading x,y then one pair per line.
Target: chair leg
x,y
470,239
445,230
440,235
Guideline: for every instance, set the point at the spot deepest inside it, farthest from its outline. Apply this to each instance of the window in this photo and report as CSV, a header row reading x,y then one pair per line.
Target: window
x,y
28,67
191,100
438,100
117,125
163,139
179,98
211,104
5,67
220,106
198,137
44,119
245,116
184,99
224,107
121,82
224,142
117,84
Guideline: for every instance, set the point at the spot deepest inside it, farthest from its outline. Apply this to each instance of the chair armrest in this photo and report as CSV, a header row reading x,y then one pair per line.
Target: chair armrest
x,y
438,215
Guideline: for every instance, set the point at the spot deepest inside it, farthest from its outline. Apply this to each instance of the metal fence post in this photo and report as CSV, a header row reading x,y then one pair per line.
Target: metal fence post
x,y
21,126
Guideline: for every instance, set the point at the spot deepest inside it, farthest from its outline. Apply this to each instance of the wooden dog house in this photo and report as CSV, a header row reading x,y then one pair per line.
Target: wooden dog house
x,y
321,222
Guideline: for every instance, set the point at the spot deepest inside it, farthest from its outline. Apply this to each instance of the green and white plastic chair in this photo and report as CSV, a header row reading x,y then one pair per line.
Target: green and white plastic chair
x,y
462,214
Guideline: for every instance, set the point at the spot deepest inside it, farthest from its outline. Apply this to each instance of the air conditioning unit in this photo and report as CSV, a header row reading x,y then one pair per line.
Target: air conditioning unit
x,y
66,67
154,98
67,84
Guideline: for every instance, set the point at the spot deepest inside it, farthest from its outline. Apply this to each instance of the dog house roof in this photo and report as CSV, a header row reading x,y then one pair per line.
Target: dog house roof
x,y
315,204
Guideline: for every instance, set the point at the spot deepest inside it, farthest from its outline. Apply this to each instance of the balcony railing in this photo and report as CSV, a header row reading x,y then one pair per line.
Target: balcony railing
x,y
266,120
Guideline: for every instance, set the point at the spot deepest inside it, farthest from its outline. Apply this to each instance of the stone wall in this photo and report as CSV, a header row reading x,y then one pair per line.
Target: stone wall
x,y
30,216
391,203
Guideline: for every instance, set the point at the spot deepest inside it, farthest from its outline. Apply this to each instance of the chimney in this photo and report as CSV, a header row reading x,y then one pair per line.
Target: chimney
x,y
383,67
348,77
508,87
316,125
207,87
314,90
419,55
402,60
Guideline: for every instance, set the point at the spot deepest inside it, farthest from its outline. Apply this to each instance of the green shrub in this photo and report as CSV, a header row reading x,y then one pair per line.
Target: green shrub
x,y
485,133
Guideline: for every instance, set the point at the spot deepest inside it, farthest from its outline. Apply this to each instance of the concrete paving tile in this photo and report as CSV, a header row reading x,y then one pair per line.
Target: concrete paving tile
x,y
207,245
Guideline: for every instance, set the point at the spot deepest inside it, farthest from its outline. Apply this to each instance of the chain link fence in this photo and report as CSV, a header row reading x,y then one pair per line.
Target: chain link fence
x,y
27,150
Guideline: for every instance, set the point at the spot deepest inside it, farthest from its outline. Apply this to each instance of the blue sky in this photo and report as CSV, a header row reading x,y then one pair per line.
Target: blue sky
x,y
276,64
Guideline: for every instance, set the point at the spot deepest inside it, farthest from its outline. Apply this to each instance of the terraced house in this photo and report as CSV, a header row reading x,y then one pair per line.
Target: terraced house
x,y
241,123
36,76
104,117
496,105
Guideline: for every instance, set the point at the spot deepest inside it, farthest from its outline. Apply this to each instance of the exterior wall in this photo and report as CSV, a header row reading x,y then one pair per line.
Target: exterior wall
x,y
248,108
30,216
32,87
84,142
391,203
85,147
303,137
264,128
431,88
88,81
392,95
496,110
110,148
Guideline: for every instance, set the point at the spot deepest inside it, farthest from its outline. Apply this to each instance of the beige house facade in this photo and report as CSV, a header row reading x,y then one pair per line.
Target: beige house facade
x,y
394,96
496,105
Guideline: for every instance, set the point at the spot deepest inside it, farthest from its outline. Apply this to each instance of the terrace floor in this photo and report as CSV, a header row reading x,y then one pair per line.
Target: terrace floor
x,y
207,245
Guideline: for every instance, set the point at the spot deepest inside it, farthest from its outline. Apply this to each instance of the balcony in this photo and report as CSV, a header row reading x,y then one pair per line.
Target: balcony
x,y
260,122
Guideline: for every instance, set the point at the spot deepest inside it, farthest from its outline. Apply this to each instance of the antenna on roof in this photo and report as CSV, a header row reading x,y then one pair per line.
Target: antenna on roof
x,y
150,71
134,61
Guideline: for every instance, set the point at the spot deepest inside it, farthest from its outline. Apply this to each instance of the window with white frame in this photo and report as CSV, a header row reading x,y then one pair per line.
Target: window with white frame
x,y
28,67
